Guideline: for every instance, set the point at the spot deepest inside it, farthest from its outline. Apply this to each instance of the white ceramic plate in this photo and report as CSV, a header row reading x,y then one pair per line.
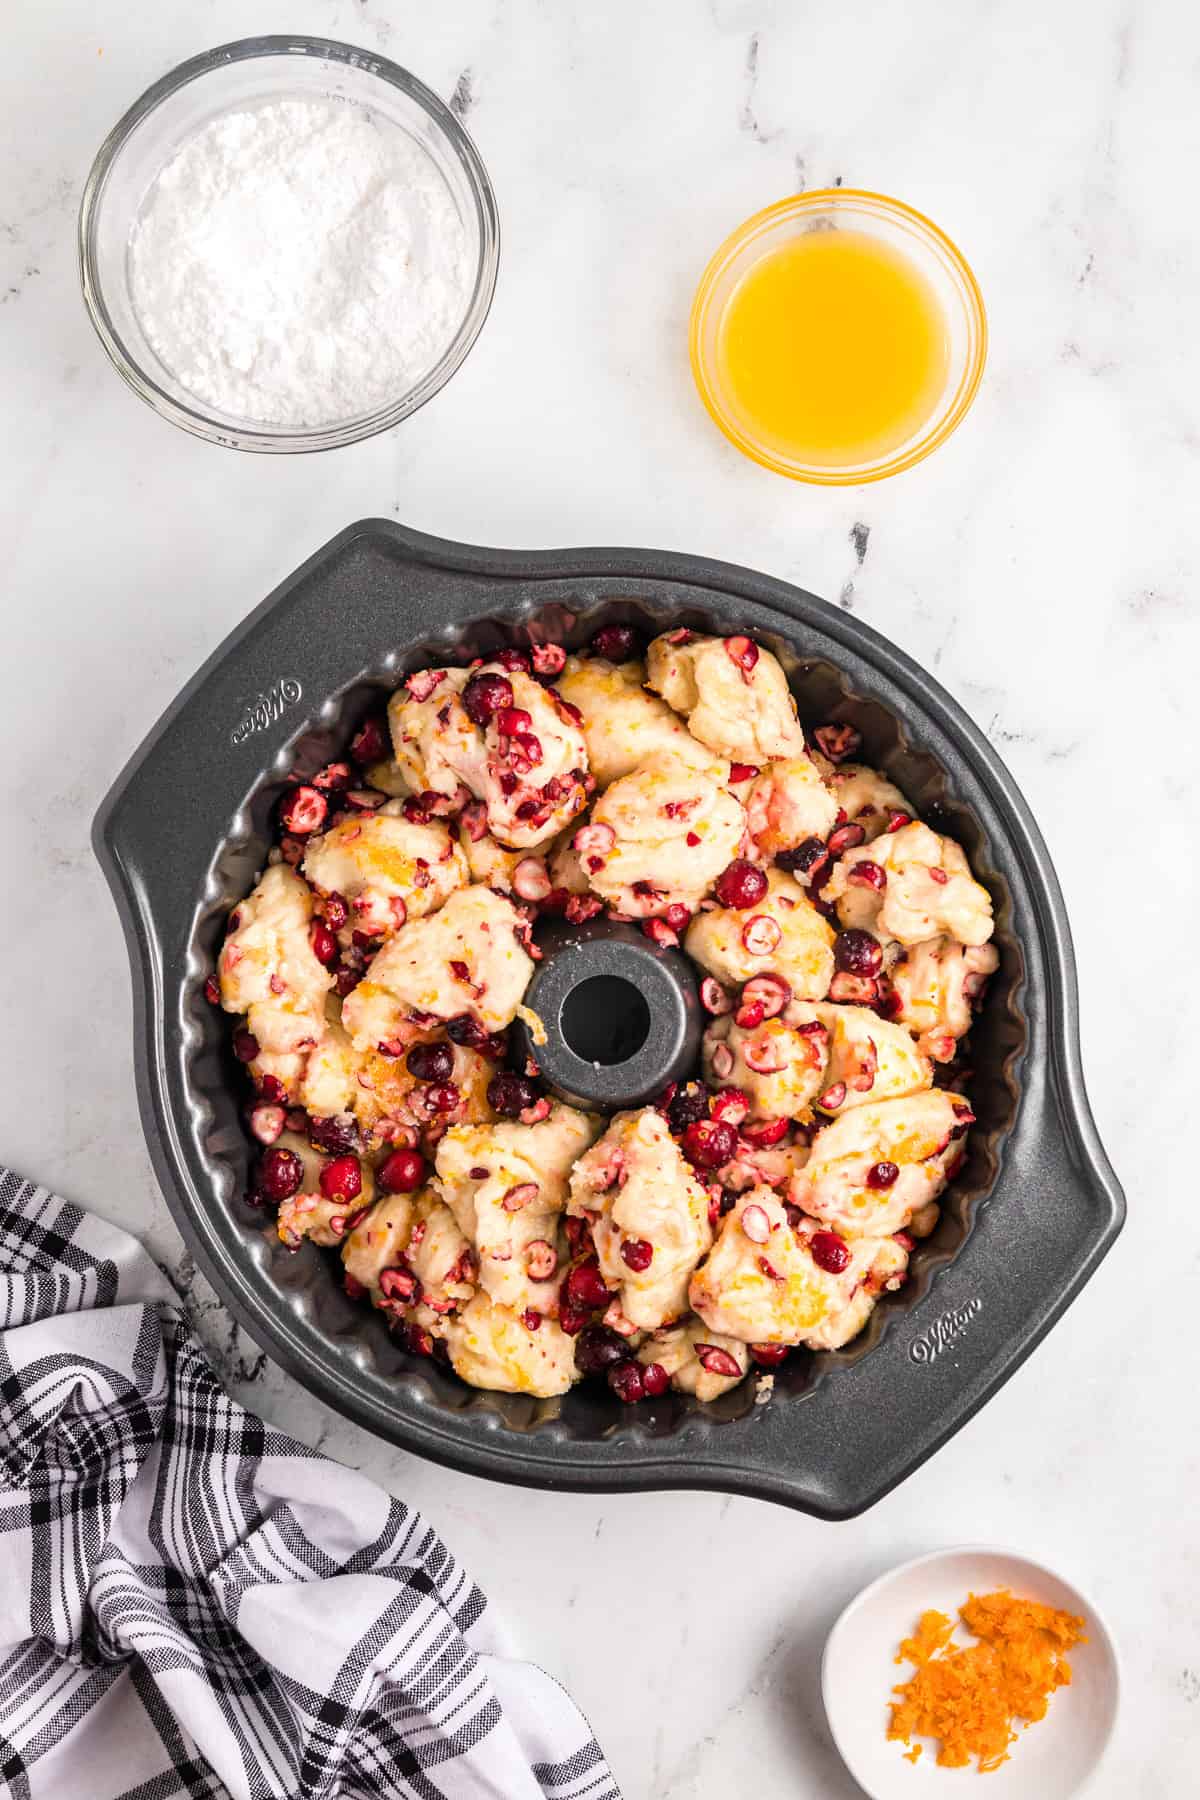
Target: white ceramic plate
x,y
1054,1759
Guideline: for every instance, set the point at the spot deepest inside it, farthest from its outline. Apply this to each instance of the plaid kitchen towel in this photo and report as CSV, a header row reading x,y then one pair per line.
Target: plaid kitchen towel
x,y
192,1603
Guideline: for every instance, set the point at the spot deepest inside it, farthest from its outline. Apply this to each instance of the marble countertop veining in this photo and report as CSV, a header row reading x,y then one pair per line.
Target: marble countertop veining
x,y
1043,564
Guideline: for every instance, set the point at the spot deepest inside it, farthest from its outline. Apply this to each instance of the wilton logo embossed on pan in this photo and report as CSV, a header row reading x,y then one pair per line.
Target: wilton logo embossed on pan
x,y
264,709
929,1346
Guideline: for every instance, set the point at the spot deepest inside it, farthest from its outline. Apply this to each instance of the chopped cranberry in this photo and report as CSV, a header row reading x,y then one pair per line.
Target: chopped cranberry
x,y
486,695
460,970
857,953
717,1361
713,997
442,1097
830,1252
660,933
509,1094
474,821
341,1179
741,884
769,1356
692,839
332,777
267,1122
625,1380
353,1287
402,1173
347,980
655,1380
324,944
730,1105
531,1319
837,742
766,1132
709,1143
514,660
678,917
898,820
866,874
750,1014
369,743
755,1224
594,839
846,837
744,652
585,1285
335,1134
573,1318
739,772
761,934
398,1284
430,1062
833,1096
541,1260
512,721
530,879
418,1341
806,859
882,1175
637,1254
365,799
616,643
582,907
335,911
245,1045
280,1173
415,810
212,991
549,659
273,1090
685,1107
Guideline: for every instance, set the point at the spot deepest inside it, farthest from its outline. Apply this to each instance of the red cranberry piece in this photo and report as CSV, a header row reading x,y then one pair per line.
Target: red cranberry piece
x,y
324,944
867,874
291,849
574,1318
655,1380
897,821
882,1175
510,1095
370,742
585,1285
678,917
531,1319
267,1122
353,1287
627,1383
833,1096
744,652
688,1105
616,643
273,1090
303,811
541,1260
337,1134
741,884
530,880
335,912
514,660
245,1045
709,1143
830,1252
402,1172
512,721
549,659
730,1104
430,1062
347,980
280,1173
755,1224
660,933
857,953
717,1361
486,695
766,1132
297,1119
212,991
761,934
713,997
769,1356
846,837
398,1284
837,742
807,859
417,1341
460,970
442,1097
749,1014
739,772
341,1179
333,777
637,1254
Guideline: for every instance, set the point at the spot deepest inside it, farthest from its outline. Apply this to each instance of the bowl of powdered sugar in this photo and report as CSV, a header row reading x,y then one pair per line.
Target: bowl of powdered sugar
x,y
288,244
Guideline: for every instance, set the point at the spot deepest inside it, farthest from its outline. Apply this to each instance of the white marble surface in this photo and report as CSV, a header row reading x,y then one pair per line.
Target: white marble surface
x,y
1043,564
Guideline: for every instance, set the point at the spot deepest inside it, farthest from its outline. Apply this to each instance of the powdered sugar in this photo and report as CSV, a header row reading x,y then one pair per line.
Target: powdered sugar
x,y
299,264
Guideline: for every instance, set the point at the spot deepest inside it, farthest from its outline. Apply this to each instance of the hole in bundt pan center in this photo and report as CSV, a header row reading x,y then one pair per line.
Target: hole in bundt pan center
x,y
605,1020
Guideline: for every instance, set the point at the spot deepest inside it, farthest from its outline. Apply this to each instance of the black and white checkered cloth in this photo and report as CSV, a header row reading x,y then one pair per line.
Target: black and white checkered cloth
x,y
191,1603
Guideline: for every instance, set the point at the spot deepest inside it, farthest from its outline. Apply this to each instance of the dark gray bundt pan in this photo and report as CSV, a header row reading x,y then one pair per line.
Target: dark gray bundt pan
x,y
185,829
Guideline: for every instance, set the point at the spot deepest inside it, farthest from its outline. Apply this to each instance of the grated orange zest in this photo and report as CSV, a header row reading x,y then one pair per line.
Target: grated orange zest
x,y
968,1697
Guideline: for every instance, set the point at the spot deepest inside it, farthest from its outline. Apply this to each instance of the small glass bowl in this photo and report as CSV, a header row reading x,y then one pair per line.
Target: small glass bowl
x,y
246,74
906,230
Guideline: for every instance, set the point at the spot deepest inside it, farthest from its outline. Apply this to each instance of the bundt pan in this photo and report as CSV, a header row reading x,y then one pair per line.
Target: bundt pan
x,y
185,830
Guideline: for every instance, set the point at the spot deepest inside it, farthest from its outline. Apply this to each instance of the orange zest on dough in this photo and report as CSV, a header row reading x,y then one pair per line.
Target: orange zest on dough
x,y
968,1696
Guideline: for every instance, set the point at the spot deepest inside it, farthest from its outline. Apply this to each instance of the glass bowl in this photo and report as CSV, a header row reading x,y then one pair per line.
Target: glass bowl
x,y
247,74
895,224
